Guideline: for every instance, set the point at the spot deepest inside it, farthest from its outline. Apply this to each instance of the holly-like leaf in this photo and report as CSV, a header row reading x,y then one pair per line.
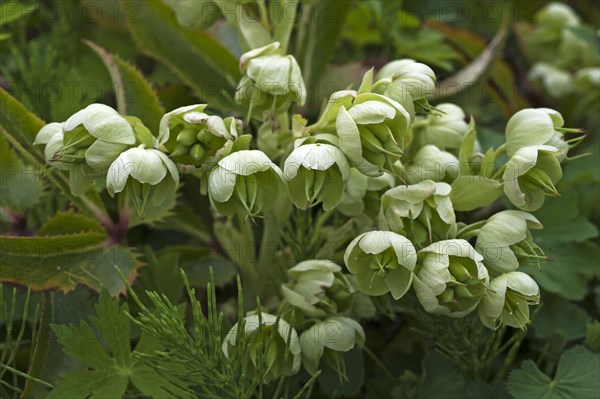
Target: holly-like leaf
x,y
135,96
69,222
104,348
196,57
63,261
577,376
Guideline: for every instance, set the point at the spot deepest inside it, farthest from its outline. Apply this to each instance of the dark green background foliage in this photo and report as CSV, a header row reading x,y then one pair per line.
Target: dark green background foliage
x,y
99,320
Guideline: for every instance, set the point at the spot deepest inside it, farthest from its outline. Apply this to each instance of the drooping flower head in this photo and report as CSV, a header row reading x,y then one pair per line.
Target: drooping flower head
x,y
450,278
381,262
316,173
245,181
275,337
271,81
423,211
508,300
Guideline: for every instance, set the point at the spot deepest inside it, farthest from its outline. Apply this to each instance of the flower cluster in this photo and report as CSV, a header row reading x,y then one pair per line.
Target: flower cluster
x,y
380,157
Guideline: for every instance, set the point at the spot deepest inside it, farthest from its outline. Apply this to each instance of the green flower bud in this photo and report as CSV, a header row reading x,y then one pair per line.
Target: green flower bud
x,y
381,262
450,278
316,173
406,80
271,81
556,82
423,211
195,14
275,338
318,288
193,136
245,181
531,174
508,299
430,163
154,177
328,339
445,129
373,132
505,241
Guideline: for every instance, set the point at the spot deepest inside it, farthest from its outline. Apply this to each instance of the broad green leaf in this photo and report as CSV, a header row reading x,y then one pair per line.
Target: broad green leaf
x,y
197,262
471,192
135,96
559,316
480,390
577,376
197,58
570,269
442,379
592,336
22,185
62,262
104,347
330,382
161,274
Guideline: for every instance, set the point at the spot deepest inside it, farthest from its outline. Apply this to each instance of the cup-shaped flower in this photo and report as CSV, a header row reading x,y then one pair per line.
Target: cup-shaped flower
x,y
557,82
328,340
245,181
422,212
273,337
318,288
381,262
431,163
316,173
193,136
96,135
508,299
450,278
445,128
539,126
146,174
531,174
406,80
271,81
373,132
506,242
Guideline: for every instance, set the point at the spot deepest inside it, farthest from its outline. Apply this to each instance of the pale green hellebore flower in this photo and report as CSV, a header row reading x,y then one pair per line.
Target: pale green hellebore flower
x,y
557,82
351,203
373,132
381,262
96,135
431,163
328,340
316,173
258,331
271,81
423,211
537,127
193,136
406,81
551,20
450,278
531,174
245,181
506,242
146,174
445,129
508,299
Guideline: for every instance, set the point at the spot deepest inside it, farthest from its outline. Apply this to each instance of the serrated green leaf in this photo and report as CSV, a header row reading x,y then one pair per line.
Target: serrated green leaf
x,y
64,261
559,316
104,347
69,222
22,186
196,57
577,376
135,96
